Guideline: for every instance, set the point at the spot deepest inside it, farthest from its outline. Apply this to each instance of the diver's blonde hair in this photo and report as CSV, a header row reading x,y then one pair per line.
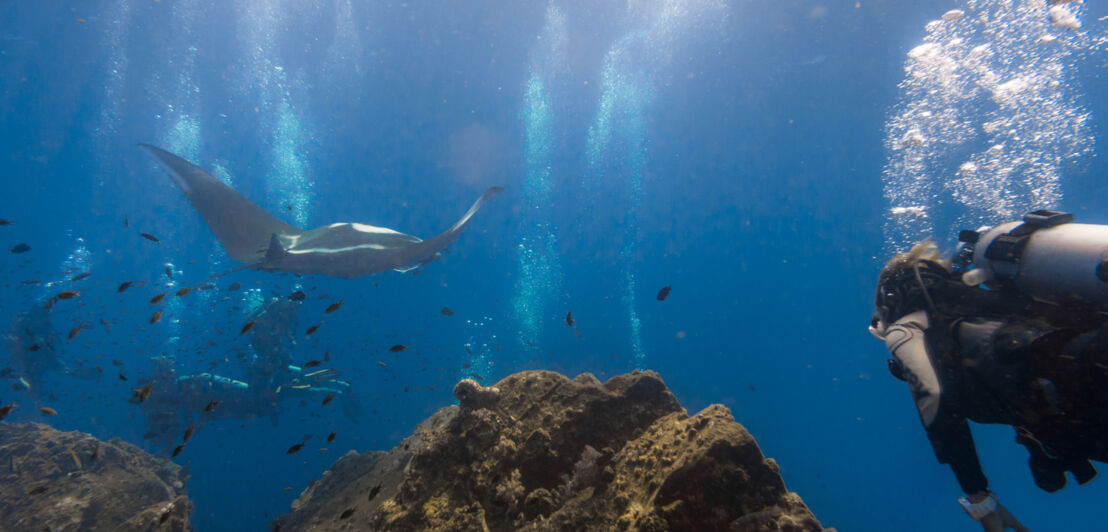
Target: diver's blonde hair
x,y
924,250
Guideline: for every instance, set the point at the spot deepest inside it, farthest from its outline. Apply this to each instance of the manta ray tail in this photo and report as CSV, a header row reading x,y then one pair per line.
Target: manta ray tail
x,y
242,227
440,242
461,224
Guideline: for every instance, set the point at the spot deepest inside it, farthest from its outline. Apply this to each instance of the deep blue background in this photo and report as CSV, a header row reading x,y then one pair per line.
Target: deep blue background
x,y
761,205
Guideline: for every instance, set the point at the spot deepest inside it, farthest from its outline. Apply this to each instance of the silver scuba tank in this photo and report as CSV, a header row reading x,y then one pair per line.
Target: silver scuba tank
x,y
1045,256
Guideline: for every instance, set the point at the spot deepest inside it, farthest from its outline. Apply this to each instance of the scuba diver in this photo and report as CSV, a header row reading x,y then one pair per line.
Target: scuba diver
x,y
30,343
273,375
271,378
1011,330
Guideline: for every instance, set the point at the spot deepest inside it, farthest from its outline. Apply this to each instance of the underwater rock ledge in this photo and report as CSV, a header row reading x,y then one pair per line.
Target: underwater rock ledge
x,y
539,451
54,480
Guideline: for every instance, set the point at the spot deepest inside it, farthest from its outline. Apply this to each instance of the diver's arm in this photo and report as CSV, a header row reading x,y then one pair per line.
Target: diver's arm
x,y
947,429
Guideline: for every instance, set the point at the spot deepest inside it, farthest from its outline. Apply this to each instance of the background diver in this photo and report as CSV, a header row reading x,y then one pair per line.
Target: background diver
x,y
32,352
271,378
1012,331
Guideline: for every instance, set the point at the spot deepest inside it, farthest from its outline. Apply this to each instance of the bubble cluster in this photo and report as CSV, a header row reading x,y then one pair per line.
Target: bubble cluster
x,y
989,120
480,346
289,180
540,272
617,139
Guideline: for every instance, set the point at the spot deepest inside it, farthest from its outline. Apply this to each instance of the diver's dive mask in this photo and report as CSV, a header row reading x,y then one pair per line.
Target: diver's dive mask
x,y
905,290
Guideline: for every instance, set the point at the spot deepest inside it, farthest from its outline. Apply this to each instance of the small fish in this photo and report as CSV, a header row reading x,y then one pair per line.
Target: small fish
x,y
312,329
33,348
476,377
327,356
122,377
117,362
157,316
37,491
73,332
68,294
569,319
158,298
333,307
188,434
382,364
169,272
76,460
20,248
79,276
46,410
398,348
150,237
249,325
211,405
446,311
183,291
312,363
140,394
234,286
124,286
177,450
373,492
328,399
346,513
6,409
331,437
294,448
663,293
298,296
95,452
4,222
206,286
126,223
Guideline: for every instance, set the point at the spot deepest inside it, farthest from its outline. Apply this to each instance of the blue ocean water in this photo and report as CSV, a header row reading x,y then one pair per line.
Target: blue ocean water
x,y
734,150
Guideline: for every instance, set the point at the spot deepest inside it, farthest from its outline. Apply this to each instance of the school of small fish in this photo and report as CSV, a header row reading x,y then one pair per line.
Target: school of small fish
x,y
164,286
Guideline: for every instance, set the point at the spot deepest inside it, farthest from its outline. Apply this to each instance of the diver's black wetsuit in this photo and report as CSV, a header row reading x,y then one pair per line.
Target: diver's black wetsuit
x,y
999,357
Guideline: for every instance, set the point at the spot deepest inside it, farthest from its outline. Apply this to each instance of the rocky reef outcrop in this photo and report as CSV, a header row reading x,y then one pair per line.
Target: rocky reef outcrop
x,y
539,451
55,480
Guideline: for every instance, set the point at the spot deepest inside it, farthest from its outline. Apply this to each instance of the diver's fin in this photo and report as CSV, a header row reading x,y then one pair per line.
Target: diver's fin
x,y
242,227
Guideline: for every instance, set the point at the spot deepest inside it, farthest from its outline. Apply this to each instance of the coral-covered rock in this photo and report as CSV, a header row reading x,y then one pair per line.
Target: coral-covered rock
x,y
57,480
541,452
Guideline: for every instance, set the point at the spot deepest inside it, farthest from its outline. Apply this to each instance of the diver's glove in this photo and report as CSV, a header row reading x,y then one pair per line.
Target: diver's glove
x,y
991,514
878,328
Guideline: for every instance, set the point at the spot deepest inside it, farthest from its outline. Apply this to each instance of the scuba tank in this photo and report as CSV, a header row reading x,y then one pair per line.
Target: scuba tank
x,y
1046,256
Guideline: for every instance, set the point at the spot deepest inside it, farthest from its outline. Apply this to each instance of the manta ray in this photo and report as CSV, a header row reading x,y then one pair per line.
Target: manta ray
x,y
260,240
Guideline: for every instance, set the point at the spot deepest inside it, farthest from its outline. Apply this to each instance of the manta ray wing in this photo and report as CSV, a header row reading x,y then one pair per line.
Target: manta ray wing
x,y
242,227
